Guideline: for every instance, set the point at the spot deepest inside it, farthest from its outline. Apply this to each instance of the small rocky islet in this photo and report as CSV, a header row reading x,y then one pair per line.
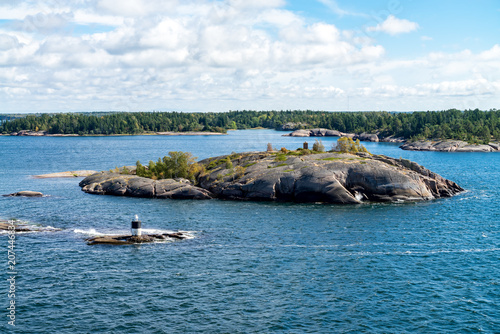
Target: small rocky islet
x,y
447,145
21,226
134,239
292,176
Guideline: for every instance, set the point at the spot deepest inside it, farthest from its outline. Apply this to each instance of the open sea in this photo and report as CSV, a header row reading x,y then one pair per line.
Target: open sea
x,y
428,267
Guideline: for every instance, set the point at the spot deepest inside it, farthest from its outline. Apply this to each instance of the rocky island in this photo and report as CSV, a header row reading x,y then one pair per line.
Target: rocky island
x,y
320,132
291,176
449,146
133,239
20,226
421,145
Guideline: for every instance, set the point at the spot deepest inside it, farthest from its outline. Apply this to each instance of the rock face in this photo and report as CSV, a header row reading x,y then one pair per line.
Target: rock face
x,y
290,126
320,132
129,239
25,193
106,183
449,146
392,139
29,133
325,177
367,137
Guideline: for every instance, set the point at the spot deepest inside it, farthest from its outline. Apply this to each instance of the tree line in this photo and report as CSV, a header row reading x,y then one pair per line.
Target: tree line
x,y
474,126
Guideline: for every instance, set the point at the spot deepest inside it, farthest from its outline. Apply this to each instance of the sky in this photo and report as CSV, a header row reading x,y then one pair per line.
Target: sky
x,y
220,55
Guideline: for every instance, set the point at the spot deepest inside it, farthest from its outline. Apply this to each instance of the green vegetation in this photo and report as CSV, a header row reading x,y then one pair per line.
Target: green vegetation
x,y
331,159
347,145
280,157
229,164
280,165
318,146
176,164
474,126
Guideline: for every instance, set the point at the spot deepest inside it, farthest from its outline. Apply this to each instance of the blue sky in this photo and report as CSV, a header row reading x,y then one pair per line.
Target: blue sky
x,y
202,55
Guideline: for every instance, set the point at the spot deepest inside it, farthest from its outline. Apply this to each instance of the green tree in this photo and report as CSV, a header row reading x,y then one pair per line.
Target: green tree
x,y
318,146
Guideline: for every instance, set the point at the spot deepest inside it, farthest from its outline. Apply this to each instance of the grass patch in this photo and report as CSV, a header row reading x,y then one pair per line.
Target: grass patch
x,y
330,159
288,170
250,164
215,163
280,157
280,165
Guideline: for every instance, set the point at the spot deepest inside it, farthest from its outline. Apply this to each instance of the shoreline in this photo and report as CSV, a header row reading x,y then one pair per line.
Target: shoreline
x,y
449,145
435,145
25,133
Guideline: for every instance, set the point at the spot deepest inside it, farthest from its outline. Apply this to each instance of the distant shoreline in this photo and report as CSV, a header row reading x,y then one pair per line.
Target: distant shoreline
x,y
25,133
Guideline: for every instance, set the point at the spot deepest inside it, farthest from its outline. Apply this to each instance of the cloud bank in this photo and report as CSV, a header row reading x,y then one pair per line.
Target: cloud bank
x,y
218,55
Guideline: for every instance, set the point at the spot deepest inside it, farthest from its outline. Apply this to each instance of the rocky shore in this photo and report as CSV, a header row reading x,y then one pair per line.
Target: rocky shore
x,y
108,183
20,226
24,193
292,177
428,145
133,239
73,173
169,133
191,133
449,146
320,132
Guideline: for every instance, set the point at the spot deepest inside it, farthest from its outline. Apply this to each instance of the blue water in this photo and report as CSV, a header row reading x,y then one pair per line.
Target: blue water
x,y
430,267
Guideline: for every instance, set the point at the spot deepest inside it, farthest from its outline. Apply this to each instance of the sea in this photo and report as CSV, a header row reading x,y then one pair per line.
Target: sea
x,y
247,267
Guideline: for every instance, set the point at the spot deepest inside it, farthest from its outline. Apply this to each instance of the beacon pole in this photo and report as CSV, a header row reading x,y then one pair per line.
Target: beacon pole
x,y
136,226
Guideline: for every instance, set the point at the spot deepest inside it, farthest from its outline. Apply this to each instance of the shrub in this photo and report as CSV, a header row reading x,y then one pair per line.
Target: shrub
x,y
318,146
239,171
176,164
229,164
347,145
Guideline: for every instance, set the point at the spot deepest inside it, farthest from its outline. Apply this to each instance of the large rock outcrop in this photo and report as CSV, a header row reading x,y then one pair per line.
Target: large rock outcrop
x,y
449,146
290,126
320,132
325,177
107,183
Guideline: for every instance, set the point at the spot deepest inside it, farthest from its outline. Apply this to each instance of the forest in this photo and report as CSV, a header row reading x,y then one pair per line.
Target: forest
x,y
473,126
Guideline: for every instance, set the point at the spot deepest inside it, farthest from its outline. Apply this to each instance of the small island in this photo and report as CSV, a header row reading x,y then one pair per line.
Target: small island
x,y
347,176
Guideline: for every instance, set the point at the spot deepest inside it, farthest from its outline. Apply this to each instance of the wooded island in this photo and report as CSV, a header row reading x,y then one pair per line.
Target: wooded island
x,y
472,126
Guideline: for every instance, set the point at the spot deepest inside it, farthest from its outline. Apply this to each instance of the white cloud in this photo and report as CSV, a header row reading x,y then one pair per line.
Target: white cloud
x,y
205,55
394,26
136,8
491,55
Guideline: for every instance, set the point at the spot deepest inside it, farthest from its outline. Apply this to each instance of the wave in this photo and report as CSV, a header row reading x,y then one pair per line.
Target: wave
x,y
94,233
